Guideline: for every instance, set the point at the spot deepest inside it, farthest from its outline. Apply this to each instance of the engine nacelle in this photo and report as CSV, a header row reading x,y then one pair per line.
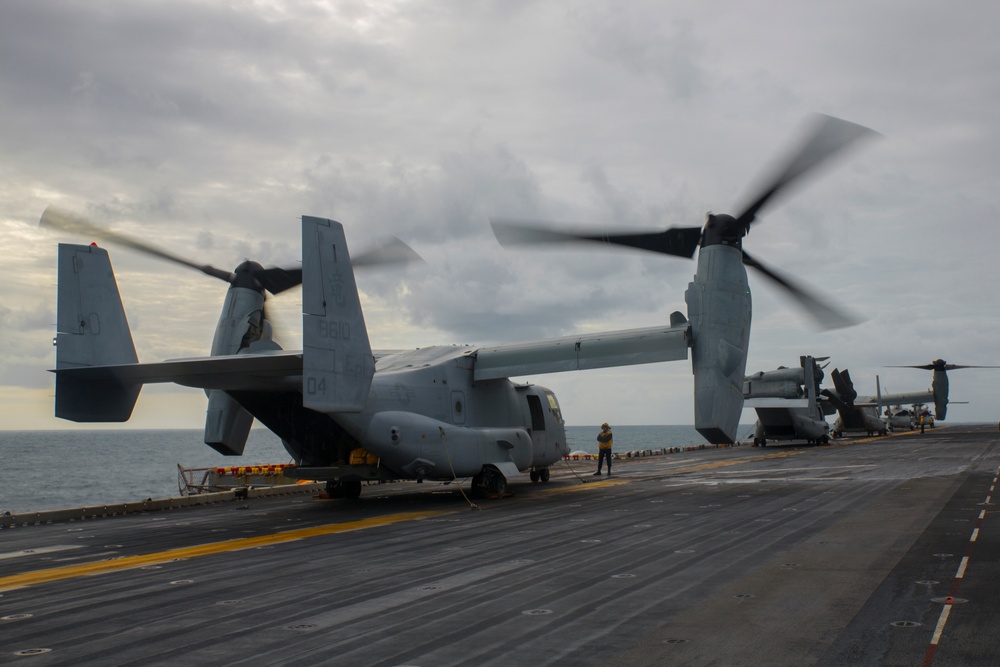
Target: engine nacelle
x,y
425,448
719,310
757,389
795,375
939,385
241,326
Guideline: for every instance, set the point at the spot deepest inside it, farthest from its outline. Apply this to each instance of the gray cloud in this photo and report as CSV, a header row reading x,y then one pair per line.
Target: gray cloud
x,y
211,127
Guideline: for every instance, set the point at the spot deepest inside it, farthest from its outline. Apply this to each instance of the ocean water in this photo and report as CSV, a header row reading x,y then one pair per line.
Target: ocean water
x,y
633,438
42,470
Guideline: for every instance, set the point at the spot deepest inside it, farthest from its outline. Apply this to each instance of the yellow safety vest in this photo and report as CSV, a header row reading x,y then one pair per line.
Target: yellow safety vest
x,y
604,440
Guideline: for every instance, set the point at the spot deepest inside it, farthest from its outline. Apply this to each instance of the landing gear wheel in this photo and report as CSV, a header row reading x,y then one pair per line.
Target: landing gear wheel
x,y
478,488
344,489
352,489
534,475
498,484
544,474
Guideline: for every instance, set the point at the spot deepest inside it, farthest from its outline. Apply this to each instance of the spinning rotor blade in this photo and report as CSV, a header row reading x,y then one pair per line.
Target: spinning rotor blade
x,y
394,251
276,280
677,241
391,251
61,219
828,137
825,315
941,365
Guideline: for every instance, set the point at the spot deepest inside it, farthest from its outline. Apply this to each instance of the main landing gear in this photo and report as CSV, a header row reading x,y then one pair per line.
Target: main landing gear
x,y
489,482
350,489
539,475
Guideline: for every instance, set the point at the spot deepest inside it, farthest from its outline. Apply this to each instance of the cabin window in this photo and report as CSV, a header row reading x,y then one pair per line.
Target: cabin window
x,y
457,407
537,416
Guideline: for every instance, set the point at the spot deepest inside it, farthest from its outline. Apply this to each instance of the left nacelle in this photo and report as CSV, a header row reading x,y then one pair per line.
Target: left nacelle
x,y
424,448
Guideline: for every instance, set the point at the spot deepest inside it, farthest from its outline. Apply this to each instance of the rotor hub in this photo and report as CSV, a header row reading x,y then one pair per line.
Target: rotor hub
x,y
246,274
723,229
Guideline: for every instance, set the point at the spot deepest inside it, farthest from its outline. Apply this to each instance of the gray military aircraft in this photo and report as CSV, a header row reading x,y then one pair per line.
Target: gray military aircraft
x,y
788,403
866,414
348,414
937,394
900,418
853,415
344,412
718,299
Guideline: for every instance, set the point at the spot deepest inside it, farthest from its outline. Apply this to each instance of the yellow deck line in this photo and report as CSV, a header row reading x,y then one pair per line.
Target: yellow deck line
x,y
586,485
104,566
597,484
736,462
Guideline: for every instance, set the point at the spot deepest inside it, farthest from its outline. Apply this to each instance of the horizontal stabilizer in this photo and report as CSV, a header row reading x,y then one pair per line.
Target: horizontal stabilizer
x,y
237,372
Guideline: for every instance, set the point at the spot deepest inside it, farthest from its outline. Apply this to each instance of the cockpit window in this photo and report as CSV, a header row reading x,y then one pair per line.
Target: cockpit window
x,y
554,406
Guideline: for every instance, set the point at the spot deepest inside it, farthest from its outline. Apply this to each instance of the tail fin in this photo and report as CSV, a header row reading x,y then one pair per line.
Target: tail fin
x,y
92,330
337,361
227,424
844,385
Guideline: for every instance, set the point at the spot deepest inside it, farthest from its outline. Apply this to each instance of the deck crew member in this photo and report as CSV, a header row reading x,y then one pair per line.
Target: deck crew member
x,y
604,443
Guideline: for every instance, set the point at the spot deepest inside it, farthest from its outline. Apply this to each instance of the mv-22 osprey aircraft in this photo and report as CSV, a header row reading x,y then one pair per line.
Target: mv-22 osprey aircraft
x,y
789,403
865,413
437,413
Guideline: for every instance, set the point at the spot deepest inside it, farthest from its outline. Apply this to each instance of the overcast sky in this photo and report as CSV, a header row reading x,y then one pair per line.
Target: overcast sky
x,y
211,127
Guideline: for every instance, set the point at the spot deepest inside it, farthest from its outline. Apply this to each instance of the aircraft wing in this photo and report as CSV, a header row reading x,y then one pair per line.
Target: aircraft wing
x,y
250,372
774,402
906,398
584,351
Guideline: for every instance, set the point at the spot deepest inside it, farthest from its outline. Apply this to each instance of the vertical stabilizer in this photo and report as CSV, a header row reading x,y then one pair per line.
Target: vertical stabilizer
x,y
91,331
227,424
878,395
810,383
337,361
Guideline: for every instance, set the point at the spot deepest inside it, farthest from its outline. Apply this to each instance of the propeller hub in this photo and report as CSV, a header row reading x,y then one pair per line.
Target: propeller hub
x,y
246,274
723,229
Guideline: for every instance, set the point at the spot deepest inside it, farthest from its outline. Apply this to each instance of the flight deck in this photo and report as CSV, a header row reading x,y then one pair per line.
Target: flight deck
x,y
880,551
